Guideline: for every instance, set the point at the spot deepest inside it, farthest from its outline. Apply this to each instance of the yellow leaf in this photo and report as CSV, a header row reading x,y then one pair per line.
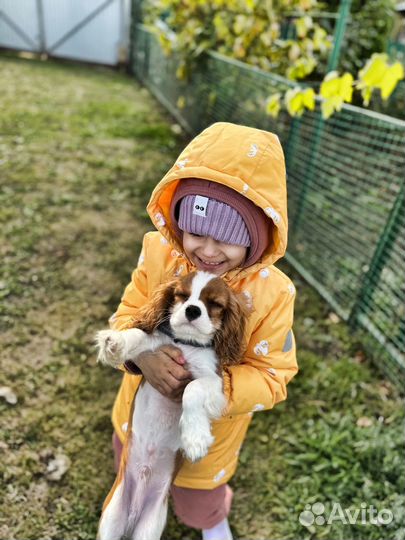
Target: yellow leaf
x,y
181,71
308,98
335,91
377,73
297,100
167,45
294,51
181,102
302,67
291,101
212,97
328,107
238,49
265,38
239,25
374,70
393,74
220,26
320,39
366,95
346,87
306,4
303,24
273,105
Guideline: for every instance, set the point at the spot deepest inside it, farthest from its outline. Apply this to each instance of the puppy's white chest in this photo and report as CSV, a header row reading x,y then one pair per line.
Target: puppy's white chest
x,y
201,361
156,421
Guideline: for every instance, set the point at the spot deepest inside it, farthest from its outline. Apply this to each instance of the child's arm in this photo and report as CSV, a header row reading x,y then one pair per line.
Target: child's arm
x,y
260,382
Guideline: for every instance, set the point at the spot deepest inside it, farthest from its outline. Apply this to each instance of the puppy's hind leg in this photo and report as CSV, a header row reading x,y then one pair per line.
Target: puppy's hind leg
x,y
114,518
154,514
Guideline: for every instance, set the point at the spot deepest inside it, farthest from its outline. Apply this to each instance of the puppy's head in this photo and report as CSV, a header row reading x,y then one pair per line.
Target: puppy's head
x,y
201,308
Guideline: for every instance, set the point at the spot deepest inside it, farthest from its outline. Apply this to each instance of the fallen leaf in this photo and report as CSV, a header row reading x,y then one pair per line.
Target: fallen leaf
x,y
359,357
176,129
57,467
333,318
8,395
364,421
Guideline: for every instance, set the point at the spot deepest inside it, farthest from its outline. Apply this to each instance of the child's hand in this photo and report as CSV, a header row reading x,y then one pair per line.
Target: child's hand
x,y
164,369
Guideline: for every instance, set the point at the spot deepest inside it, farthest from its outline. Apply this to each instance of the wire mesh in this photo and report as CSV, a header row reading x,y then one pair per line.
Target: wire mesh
x,y
345,186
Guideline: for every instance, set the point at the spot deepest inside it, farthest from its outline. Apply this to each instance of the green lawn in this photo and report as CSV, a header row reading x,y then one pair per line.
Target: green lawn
x,y
80,150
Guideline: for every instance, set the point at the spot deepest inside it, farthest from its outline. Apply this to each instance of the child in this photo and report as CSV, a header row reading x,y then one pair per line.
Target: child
x,y
221,208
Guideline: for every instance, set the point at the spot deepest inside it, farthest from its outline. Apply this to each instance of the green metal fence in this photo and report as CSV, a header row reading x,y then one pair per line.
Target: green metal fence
x,y
345,186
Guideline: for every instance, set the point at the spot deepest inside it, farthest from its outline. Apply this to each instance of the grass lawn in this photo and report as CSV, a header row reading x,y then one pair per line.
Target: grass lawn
x,y
80,150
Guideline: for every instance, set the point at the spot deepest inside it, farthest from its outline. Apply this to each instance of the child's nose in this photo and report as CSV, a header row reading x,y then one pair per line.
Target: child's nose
x,y
210,247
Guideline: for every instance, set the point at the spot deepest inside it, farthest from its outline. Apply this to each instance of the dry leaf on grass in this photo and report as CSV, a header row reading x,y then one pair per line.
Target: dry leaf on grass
x,y
8,395
364,421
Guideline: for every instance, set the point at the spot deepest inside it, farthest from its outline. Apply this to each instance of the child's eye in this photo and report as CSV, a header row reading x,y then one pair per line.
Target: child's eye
x,y
196,235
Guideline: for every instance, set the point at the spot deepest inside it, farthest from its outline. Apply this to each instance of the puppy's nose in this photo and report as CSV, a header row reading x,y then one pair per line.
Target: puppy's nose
x,y
192,312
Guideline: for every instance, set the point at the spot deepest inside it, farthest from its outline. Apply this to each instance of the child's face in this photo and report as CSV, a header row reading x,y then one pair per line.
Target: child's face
x,y
212,256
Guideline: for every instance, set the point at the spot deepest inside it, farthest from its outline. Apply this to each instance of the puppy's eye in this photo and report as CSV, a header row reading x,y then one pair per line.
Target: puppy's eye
x,y
213,304
181,296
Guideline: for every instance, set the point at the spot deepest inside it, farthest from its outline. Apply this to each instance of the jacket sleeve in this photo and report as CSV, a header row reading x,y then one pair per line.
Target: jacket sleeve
x,y
270,362
135,294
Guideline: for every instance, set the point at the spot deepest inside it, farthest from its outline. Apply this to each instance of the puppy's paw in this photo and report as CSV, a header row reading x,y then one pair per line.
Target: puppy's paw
x,y
215,404
196,447
110,344
195,440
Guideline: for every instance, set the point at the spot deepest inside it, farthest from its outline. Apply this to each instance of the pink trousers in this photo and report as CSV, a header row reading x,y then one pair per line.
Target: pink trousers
x,y
196,508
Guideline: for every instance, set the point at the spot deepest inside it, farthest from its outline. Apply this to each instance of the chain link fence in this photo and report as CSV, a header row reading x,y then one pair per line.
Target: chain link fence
x,y
345,186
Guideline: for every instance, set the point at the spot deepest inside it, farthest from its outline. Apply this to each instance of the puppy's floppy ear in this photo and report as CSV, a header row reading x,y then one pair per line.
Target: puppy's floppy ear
x,y
149,316
229,340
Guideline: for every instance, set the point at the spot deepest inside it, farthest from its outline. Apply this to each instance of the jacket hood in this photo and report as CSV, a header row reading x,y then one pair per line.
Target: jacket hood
x,y
247,160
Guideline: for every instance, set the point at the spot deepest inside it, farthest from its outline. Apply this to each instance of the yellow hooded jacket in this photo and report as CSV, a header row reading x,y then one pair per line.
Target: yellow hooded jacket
x,y
251,162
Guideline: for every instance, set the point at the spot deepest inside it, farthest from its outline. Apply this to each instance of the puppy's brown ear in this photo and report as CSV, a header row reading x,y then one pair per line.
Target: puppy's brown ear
x,y
149,316
229,341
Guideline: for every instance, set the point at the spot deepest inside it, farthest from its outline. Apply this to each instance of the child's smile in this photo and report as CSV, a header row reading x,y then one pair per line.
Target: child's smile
x,y
212,256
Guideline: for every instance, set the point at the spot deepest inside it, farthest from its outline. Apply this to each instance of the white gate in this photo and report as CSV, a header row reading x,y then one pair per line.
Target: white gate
x,y
89,30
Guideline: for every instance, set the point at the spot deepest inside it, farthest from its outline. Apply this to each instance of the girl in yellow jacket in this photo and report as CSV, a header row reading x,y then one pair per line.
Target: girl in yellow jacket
x,y
222,208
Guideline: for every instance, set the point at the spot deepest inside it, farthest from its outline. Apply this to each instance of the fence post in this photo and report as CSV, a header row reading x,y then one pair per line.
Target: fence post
x,y
136,18
381,253
340,28
41,27
344,11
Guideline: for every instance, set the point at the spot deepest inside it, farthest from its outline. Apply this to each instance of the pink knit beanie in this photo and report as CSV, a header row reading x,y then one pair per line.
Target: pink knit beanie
x,y
211,209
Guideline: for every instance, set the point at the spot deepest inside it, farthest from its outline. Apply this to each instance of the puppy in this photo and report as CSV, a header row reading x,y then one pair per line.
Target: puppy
x,y
202,316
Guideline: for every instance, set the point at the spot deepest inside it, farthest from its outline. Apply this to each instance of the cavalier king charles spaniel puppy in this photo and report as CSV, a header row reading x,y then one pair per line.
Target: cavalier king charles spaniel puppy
x,y
202,316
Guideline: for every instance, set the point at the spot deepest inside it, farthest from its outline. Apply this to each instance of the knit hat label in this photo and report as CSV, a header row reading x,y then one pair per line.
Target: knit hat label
x,y
200,206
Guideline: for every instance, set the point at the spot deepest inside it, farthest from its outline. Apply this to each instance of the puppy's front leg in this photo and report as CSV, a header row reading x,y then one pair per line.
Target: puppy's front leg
x,y
203,400
115,347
